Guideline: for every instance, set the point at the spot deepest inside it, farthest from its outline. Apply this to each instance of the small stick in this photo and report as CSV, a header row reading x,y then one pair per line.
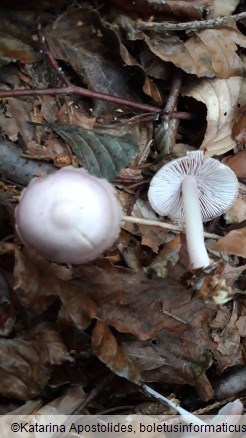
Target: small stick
x,y
141,221
190,25
53,62
173,95
73,89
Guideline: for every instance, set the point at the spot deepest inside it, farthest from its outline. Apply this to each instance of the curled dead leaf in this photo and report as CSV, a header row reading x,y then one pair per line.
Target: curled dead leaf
x,y
222,97
106,348
34,354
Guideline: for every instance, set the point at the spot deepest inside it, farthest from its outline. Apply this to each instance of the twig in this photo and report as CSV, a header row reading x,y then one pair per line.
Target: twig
x,y
165,312
140,221
190,25
52,60
17,169
73,89
173,95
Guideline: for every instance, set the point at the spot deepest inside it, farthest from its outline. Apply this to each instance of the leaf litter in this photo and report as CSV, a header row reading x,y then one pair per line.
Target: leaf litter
x,y
137,313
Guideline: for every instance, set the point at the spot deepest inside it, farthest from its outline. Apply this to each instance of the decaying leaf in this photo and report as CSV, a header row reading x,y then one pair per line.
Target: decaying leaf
x,y
239,129
228,340
102,154
77,306
35,283
172,357
178,8
238,162
237,212
109,352
123,296
210,52
241,326
233,243
223,99
12,50
34,354
78,38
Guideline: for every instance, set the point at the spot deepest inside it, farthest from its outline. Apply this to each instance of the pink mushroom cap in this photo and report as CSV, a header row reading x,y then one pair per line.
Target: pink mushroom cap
x,y
69,216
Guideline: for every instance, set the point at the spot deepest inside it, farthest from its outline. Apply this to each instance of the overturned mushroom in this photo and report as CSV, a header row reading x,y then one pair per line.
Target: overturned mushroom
x,y
69,216
192,190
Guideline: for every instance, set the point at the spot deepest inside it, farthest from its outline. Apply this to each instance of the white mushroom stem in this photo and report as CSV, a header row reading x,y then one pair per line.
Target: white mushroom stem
x,y
193,224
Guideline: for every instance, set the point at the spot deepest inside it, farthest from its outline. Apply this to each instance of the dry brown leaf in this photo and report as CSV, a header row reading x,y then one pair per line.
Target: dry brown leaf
x,y
106,348
178,8
228,340
79,38
123,296
35,283
63,405
238,162
222,98
165,263
237,212
20,112
232,273
172,358
239,129
209,52
228,350
241,325
77,306
26,361
233,243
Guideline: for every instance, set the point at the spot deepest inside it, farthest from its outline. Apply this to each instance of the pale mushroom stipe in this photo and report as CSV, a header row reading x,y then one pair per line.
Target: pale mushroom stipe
x,y
192,190
69,216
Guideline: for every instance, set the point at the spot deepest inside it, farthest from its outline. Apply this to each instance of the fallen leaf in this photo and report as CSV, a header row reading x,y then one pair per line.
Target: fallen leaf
x,y
238,163
164,263
239,129
103,155
237,212
178,8
149,87
228,350
12,49
123,296
34,353
106,348
222,98
77,306
209,52
35,283
78,37
241,325
228,339
172,358
233,243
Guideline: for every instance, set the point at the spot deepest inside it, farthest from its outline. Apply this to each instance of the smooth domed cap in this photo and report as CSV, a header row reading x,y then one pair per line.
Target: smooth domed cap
x,y
217,186
69,216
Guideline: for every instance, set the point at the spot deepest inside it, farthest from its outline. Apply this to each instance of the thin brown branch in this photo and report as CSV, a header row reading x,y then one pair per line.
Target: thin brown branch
x,y
73,89
17,169
53,62
147,222
190,25
172,99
